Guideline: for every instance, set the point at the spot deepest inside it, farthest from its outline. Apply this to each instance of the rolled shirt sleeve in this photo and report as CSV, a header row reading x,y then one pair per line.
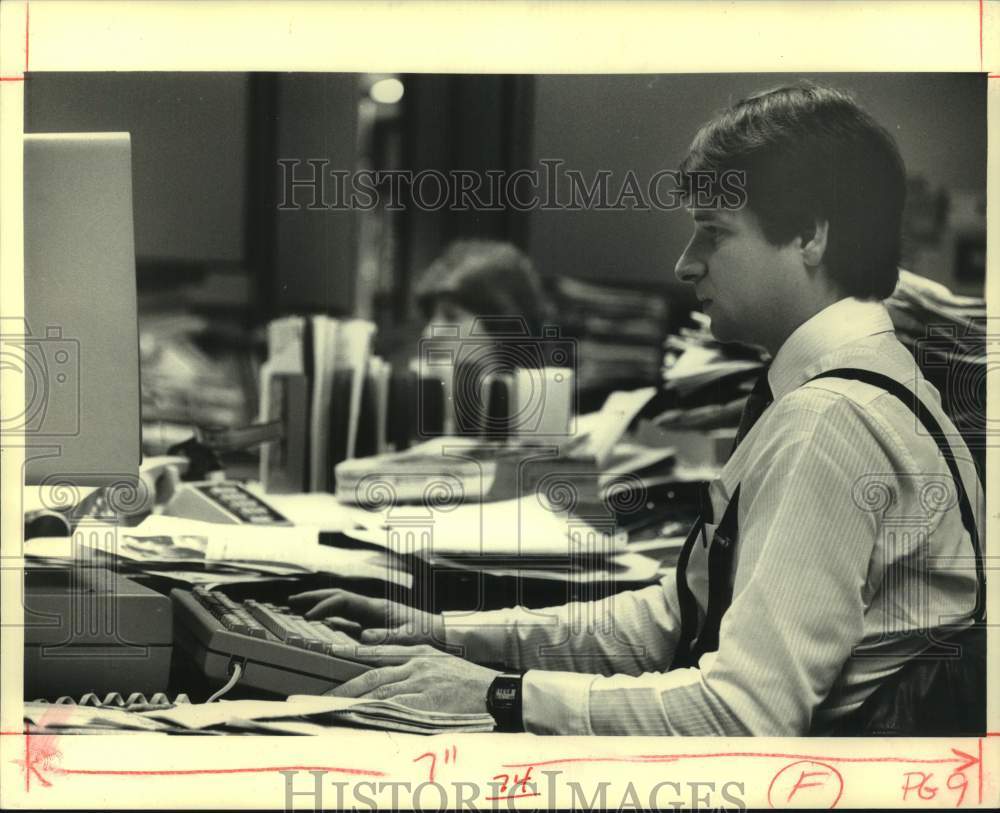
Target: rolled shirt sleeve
x,y
630,633
799,599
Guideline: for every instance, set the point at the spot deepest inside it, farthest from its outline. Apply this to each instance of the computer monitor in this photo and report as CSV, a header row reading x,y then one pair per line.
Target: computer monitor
x,y
81,343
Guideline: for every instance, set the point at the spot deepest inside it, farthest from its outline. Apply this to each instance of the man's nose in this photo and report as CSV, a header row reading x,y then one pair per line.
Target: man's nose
x,y
690,267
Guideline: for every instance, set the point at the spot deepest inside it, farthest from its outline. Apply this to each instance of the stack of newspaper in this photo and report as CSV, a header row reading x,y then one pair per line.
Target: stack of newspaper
x,y
922,309
618,330
705,382
947,335
286,715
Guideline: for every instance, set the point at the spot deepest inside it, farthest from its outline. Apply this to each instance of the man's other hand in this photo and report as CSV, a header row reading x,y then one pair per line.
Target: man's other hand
x,y
371,620
431,681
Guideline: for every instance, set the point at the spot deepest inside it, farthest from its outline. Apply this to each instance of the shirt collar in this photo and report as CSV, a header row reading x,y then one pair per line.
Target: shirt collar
x,y
837,325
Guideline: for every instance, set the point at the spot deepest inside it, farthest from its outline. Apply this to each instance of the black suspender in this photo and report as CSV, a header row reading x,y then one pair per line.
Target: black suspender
x,y
692,645
933,428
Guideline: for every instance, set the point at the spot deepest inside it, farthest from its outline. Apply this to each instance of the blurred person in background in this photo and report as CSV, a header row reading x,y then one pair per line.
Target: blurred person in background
x,y
489,280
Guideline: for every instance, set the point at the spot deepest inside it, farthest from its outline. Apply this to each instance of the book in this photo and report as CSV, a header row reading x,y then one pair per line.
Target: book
x,y
325,349
284,469
283,400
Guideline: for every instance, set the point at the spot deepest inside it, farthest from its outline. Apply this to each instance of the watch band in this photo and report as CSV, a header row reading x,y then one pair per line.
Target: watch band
x,y
504,703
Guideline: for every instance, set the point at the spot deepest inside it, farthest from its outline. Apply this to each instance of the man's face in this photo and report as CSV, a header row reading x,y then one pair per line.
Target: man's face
x,y
739,277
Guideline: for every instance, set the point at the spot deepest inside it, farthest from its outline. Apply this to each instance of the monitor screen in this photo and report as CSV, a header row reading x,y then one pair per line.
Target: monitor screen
x,y
80,333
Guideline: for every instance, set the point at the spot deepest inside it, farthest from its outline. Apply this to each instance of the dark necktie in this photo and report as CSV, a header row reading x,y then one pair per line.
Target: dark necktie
x,y
760,399
720,556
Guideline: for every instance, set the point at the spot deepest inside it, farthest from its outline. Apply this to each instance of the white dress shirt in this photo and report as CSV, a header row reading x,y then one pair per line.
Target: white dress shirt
x,y
849,531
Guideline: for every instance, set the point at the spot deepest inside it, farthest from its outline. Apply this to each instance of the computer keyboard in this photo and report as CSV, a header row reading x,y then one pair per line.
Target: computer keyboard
x,y
279,651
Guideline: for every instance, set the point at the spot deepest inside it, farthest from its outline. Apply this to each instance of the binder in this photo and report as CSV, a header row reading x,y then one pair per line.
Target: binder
x,y
401,426
285,470
284,397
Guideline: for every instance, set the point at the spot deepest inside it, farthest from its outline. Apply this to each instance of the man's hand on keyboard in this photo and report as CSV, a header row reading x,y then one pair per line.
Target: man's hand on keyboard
x,y
371,620
432,680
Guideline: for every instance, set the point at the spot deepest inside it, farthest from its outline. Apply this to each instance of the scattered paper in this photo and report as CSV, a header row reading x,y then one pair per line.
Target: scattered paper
x,y
613,420
524,526
384,714
55,716
176,541
321,512
632,566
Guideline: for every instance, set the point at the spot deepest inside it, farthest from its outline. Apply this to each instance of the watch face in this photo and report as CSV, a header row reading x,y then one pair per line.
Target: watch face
x,y
505,694
504,702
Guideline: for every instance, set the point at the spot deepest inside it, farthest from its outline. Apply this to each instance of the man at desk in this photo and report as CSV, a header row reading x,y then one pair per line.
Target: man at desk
x,y
785,623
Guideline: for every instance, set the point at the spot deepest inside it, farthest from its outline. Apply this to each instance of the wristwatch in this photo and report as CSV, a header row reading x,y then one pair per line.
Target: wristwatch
x,y
503,701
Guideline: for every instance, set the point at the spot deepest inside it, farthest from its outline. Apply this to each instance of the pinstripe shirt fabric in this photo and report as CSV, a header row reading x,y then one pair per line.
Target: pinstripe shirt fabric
x,y
851,551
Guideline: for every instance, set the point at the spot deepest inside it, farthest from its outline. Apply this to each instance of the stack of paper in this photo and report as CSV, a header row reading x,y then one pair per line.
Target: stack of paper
x,y
618,330
947,335
705,382
92,719
383,714
463,466
919,304
172,545
529,526
392,716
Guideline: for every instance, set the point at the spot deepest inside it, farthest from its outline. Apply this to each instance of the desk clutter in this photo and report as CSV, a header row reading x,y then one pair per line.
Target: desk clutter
x,y
99,643
298,714
380,476
946,333
336,401
705,382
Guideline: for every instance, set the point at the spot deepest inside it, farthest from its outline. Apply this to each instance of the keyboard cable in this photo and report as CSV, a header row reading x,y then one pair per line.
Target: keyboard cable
x,y
233,680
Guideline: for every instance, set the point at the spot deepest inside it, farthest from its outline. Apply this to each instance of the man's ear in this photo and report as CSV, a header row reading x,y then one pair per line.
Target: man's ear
x,y
814,243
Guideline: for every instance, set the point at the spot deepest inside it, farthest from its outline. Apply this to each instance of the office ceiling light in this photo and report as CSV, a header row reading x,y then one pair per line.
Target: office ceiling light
x,y
387,91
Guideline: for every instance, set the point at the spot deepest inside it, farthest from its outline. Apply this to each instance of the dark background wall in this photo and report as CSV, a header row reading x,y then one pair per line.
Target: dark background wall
x,y
206,180
205,148
189,151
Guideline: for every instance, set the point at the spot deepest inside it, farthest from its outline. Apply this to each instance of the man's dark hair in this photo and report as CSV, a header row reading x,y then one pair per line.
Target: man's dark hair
x,y
812,153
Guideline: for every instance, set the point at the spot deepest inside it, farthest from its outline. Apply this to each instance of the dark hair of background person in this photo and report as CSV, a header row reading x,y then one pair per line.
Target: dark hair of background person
x,y
811,153
488,278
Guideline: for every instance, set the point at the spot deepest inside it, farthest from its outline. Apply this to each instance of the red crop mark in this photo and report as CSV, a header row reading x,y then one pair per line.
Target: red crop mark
x,y
27,41
226,771
40,754
980,771
653,758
